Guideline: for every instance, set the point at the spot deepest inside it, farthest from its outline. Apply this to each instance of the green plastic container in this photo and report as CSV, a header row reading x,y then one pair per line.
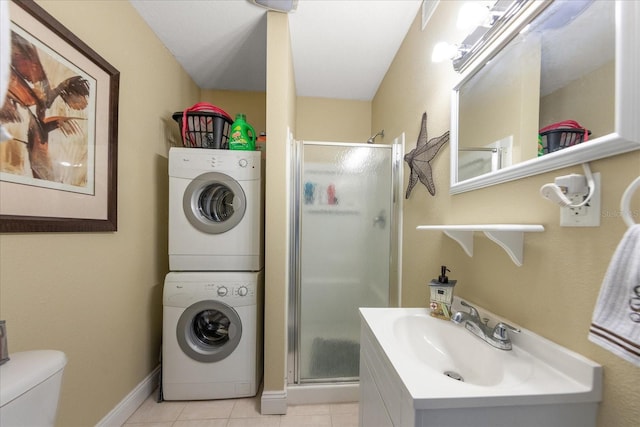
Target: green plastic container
x,y
242,136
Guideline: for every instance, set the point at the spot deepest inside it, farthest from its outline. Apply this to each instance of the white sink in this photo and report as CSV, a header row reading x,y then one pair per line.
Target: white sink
x,y
406,353
449,349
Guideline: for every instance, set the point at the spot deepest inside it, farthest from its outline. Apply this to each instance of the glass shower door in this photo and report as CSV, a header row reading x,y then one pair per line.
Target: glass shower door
x,y
345,214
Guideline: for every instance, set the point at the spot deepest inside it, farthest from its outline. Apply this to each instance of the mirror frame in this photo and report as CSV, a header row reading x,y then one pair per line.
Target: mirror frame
x,y
626,135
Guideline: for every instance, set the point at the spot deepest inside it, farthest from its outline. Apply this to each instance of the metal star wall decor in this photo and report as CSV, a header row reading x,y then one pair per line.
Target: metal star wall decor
x,y
419,159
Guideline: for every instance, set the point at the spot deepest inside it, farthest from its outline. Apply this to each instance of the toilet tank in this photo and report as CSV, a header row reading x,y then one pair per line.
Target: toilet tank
x,y
30,387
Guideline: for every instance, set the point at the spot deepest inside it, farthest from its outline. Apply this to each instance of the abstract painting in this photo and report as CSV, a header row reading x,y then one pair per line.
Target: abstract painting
x,y
58,166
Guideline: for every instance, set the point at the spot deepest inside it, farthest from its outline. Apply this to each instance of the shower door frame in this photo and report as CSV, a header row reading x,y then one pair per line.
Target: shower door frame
x,y
295,279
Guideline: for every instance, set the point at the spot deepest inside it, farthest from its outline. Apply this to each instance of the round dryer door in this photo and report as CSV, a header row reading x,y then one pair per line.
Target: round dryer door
x,y
214,203
209,331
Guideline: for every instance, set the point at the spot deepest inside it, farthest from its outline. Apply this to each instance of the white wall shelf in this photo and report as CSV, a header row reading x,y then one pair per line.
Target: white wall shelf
x,y
509,237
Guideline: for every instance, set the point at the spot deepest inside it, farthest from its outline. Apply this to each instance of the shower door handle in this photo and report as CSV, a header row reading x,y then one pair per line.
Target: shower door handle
x,y
381,219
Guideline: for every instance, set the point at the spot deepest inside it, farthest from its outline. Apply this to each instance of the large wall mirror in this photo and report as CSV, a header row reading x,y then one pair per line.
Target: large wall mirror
x,y
553,62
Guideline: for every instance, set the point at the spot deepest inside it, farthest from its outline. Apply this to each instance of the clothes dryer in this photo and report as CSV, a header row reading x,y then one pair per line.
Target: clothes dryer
x,y
216,201
212,335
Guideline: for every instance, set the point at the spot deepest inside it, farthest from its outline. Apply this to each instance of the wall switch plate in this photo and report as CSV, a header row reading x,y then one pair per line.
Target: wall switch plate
x,y
584,216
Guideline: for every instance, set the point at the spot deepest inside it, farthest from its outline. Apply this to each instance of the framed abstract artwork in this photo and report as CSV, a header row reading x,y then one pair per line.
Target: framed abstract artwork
x,y
58,162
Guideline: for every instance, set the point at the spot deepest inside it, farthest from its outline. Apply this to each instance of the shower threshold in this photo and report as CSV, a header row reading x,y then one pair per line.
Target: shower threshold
x,y
302,394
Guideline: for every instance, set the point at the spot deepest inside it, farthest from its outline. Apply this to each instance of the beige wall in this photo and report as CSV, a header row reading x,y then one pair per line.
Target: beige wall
x,y
317,119
281,104
554,293
252,104
335,120
98,296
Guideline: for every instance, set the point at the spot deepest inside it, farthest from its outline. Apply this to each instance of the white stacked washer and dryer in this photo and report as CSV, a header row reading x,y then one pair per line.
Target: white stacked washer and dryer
x,y
213,295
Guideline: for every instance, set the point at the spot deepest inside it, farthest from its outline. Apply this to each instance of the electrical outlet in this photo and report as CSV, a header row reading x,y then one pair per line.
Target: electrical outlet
x,y
584,216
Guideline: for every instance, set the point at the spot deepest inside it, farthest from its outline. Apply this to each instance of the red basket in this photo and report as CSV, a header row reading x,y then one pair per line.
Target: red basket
x,y
204,126
562,135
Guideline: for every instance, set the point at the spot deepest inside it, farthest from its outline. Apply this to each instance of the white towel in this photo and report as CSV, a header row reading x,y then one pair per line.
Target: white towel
x,y
616,318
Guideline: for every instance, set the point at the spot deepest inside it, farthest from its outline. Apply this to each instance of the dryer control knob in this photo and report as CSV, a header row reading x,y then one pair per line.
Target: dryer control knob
x,y
243,163
243,291
222,291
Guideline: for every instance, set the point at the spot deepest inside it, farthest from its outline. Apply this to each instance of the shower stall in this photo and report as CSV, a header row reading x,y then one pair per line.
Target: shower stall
x,y
346,213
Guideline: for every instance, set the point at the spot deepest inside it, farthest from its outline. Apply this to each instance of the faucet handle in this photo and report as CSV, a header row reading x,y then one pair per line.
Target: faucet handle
x,y
500,331
472,310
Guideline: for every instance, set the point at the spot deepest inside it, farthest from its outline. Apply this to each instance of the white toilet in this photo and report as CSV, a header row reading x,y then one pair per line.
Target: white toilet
x,y
30,387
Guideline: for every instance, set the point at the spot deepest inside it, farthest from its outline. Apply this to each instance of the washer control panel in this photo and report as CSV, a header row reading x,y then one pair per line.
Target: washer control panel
x,y
239,164
236,289
220,162
231,289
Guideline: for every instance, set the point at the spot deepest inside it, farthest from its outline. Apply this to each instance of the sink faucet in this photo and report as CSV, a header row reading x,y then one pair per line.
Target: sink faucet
x,y
498,336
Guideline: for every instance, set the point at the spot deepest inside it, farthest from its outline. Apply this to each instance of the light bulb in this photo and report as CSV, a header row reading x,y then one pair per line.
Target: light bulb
x,y
443,51
471,15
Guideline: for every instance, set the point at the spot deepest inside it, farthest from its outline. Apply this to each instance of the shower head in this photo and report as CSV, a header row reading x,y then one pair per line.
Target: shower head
x,y
373,138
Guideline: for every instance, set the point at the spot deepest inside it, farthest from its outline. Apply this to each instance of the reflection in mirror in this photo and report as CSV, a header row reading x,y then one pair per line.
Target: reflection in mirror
x,y
608,107
559,67
578,67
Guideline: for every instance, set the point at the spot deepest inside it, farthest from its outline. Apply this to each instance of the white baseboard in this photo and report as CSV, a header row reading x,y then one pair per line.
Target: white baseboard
x,y
273,402
121,413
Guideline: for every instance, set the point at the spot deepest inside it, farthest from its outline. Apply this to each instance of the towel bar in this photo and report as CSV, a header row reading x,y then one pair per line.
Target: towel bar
x,y
625,203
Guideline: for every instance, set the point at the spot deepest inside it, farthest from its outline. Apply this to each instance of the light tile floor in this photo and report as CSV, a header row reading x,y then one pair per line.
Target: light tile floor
x,y
239,413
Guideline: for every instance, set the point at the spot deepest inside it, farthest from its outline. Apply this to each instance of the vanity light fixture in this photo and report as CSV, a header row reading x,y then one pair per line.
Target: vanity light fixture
x,y
480,18
284,6
473,14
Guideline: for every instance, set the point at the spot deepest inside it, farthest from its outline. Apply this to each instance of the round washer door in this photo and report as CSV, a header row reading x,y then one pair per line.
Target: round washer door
x,y
208,331
214,203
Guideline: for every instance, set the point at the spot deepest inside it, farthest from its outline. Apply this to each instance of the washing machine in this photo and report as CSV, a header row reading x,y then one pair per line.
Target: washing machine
x,y
212,335
216,210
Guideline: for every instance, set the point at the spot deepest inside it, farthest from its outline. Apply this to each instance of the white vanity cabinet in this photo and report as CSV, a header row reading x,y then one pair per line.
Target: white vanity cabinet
x,y
380,388
400,387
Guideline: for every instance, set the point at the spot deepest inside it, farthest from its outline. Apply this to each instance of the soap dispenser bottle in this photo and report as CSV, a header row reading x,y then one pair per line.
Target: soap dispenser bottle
x,y
441,295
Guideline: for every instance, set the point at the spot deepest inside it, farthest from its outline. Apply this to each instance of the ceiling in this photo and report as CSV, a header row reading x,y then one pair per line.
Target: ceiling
x,y
341,48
